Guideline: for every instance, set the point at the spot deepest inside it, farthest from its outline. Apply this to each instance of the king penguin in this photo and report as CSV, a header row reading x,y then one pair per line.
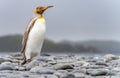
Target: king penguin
x,y
34,35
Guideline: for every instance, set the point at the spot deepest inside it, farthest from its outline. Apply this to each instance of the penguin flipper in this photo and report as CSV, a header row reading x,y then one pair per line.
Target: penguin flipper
x,y
27,30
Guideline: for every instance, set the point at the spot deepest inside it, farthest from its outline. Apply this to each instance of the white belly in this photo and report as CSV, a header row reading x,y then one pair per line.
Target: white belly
x,y
35,39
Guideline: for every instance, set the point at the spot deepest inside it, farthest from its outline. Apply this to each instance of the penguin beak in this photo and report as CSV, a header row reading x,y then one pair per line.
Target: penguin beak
x,y
50,6
45,8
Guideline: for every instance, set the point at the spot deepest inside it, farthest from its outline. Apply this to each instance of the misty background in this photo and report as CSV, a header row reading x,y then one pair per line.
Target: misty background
x,y
91,25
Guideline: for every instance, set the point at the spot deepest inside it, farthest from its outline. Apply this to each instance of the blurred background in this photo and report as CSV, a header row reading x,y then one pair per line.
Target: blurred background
x,y
76,26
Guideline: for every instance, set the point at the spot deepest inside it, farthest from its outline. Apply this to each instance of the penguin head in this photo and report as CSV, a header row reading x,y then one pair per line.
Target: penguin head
x,y
41,9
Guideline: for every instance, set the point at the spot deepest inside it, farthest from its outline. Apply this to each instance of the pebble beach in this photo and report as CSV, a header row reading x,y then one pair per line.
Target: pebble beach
x,y
67,66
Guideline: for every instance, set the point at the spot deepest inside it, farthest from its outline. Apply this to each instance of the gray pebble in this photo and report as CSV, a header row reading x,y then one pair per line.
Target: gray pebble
x,y
7,66
79,75
63,66
44,70
97,72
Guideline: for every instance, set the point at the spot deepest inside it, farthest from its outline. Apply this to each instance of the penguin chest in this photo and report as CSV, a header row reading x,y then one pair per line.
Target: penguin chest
x,y
36,37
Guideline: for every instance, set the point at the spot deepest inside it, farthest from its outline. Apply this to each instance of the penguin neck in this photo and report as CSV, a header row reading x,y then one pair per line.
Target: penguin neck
x,y
41,18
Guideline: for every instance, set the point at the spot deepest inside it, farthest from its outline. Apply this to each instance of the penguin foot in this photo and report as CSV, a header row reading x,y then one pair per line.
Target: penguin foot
x,y
23,62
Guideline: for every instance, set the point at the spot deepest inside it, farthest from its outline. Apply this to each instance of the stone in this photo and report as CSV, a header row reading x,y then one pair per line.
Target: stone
x,y
68,75
6,58
44,70
116,69
45,58
64,74
114,63
97,72
111,56
101,63
60,73
32,64
20,68
37,76
79,75
65,60
52,62
7,66
80,63
50,76
2,60
95,66
9,63
80,58
14,76
79,70
63,66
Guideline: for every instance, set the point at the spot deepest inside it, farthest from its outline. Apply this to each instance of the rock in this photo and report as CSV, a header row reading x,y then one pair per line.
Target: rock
x,y
8,63
50,76
114,63
52,62
116,69
91,59
20,68
6,71
86,64
45,58
14,76
96,59
36,76
101,63
80,58
60,73
44,70
6,58
68,75
2,60
66,60
80,63
79,75
79,70
7,66
64,74
111,57
63,66
32,64
97,72
95,66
